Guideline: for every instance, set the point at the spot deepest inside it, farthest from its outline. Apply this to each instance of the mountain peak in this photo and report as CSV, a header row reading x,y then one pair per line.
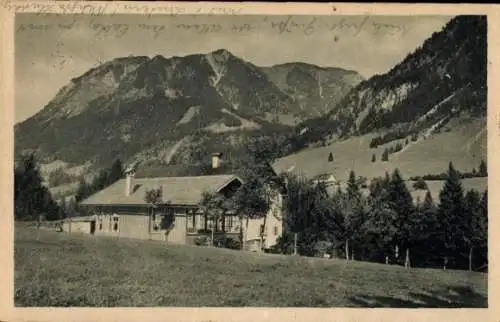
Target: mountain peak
x,y
221,54
158,58
222,51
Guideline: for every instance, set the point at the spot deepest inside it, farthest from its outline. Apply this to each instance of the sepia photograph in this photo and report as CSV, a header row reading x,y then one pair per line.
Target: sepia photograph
x,y
237,160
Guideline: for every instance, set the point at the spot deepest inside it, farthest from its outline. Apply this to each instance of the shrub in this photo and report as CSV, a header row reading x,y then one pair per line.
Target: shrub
x,y
202,241
322,247
59,177
420,184
441,176
227,242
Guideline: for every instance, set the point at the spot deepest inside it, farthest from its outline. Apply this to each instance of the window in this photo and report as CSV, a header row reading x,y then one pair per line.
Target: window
x,y
275,230
115,222
191,221
228,223
157,220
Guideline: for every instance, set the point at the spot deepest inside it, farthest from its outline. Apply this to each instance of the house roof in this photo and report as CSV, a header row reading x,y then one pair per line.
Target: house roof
x,y
181,170
324,176
176,190
79,219
289,165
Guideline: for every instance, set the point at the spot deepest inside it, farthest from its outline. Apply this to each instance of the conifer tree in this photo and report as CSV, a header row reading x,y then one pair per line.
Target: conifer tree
x,y
352,208
380,218
83,190
115,172
330,157
374,158
32,200
385,155
425,232
298,206
401,202
471,222
481,228
483,170
451,215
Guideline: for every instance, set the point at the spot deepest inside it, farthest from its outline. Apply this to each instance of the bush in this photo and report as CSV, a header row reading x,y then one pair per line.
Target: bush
x,y
420,184
227,242
59,177
202,241
322,247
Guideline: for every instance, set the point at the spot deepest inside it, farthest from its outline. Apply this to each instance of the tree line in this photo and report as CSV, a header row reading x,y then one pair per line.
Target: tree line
x,y
384,224
33,200
481,173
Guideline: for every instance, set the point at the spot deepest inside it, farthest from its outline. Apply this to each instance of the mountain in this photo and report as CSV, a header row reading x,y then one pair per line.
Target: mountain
x,y
315,89
443,78
153,109
428,110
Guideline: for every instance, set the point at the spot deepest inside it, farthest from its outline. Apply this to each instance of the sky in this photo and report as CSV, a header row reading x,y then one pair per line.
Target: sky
x,y
51,49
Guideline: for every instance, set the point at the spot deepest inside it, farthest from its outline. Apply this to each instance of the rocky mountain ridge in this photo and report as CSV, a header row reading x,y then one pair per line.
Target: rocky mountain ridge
x,y
131,105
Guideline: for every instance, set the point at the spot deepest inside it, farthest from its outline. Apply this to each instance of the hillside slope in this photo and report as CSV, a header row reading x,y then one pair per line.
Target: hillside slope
x,y
443,78
464,143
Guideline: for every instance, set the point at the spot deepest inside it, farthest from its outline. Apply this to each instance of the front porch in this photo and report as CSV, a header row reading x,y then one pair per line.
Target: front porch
x,y
198,223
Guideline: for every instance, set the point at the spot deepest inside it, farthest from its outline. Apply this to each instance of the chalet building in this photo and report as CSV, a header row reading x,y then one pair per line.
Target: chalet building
x,y
120,209
328,179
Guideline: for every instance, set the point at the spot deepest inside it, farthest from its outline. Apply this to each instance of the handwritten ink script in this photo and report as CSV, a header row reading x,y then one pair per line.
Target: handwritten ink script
x,y
66,7
342,26
336,26
97,9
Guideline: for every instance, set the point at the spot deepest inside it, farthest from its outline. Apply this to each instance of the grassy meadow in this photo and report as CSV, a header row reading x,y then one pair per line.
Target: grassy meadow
x,y
57,269
465,146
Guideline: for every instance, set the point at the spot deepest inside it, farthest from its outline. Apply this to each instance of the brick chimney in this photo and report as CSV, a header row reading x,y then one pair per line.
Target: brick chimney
x,y
129,176
216,160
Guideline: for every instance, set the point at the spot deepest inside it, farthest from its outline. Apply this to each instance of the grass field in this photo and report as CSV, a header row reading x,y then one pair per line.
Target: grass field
x,y
465,146
56,269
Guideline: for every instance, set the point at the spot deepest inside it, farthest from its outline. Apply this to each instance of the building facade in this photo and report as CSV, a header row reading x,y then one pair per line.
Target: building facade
x,y
121,210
